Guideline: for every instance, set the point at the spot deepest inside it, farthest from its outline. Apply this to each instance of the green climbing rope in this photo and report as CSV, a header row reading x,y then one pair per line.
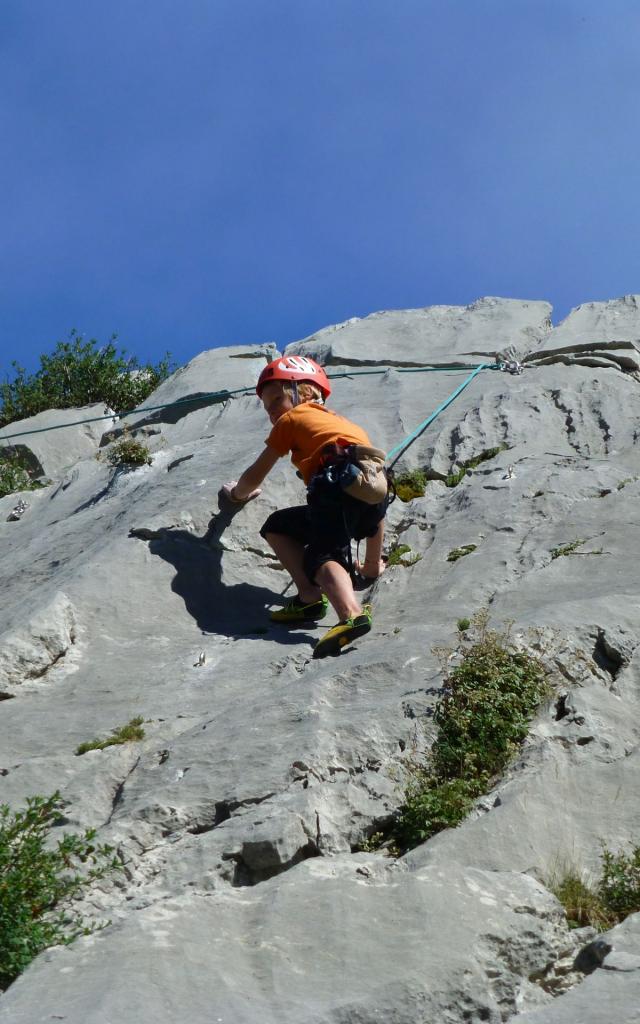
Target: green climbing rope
x,y
414,435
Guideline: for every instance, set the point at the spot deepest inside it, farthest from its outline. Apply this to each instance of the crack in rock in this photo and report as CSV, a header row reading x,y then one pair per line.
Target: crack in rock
x,y
225,809
607,656
568,419
117,796
561,707
178,462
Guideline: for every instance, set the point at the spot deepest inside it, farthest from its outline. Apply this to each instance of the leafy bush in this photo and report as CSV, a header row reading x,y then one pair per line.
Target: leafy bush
x,y
78,372
482,717
38,879
619,886
13,474
129,733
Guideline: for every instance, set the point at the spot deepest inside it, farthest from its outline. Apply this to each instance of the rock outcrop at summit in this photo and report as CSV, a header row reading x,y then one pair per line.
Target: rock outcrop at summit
x,y
241,816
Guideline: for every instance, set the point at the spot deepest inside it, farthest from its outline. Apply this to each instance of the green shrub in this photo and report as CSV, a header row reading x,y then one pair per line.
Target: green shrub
x,y
128,452
411,484
78,372
613,897
482,717
38,879
619,886
14,475
129,733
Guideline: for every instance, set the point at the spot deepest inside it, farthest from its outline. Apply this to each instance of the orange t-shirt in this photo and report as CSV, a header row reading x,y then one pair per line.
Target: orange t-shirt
x,y
306,429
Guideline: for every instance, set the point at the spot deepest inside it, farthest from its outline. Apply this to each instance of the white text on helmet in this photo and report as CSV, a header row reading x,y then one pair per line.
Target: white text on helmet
x,y
299,363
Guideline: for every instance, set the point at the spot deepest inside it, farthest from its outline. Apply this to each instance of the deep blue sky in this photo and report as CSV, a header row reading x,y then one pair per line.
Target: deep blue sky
x,y
194,173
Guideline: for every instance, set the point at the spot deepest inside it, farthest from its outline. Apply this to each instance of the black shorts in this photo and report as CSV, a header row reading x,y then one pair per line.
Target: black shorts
x,y
326,525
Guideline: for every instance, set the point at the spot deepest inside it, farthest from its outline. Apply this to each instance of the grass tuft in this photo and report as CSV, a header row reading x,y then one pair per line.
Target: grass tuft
x,y
610,900
581,903
129,733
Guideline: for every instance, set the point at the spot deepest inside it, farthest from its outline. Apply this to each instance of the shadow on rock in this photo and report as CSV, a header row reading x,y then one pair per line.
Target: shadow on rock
x,y
236,610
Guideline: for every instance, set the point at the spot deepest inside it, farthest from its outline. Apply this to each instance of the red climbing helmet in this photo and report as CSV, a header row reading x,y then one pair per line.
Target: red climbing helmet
x,y
296,368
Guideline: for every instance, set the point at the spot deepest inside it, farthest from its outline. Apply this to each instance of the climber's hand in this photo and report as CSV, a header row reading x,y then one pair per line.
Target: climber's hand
x,y
227,496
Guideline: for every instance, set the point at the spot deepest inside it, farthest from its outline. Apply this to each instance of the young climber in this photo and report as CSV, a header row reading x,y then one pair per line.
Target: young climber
x,y
313,541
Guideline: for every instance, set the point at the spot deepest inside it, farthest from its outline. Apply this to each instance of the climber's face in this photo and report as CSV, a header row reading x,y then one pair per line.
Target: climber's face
x,y
276,402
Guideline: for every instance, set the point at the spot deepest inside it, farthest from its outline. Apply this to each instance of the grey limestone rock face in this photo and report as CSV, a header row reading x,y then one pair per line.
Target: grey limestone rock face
x,y
186,392
609,991
49,452
436,335
595,334
29,652
242,815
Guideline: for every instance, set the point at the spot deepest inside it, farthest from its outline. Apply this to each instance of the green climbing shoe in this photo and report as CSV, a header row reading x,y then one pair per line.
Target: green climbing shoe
x,y
295,611
342,634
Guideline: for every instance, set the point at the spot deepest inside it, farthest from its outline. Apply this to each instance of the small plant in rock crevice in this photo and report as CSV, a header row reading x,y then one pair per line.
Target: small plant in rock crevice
x,y
128,452
377,842
482,717
581,902
457,553
397,556
129,733
453,479
567,549
609,900
39,878
411,484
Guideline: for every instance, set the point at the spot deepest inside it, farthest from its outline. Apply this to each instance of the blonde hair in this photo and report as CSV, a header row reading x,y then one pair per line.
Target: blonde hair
x,y
307,392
